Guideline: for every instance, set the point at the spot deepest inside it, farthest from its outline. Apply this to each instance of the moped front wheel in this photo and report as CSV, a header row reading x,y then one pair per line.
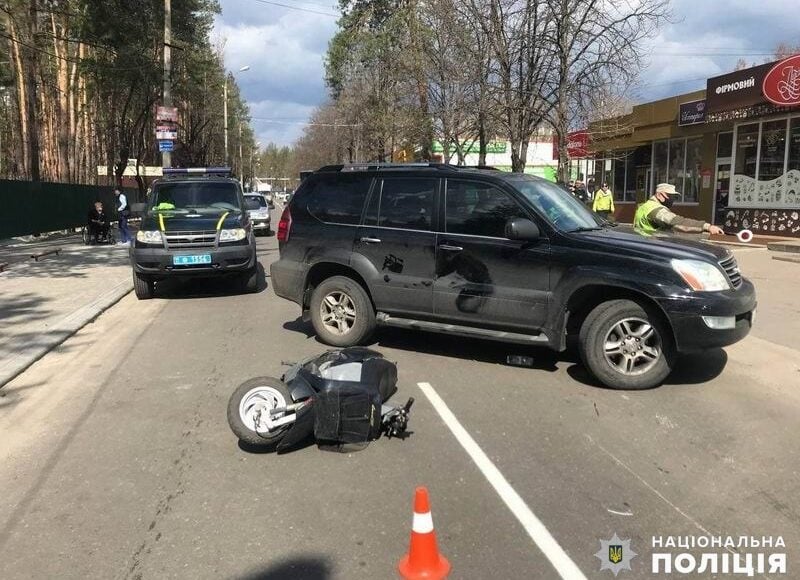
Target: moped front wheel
x,y
249,408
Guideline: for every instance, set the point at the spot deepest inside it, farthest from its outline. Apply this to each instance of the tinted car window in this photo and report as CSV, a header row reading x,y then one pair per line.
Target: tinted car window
x,y
560,208
196,195
478,209
258,198
338,199
403,203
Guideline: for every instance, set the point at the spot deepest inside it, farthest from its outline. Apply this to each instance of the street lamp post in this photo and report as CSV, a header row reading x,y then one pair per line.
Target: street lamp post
x,y
225,110
252,153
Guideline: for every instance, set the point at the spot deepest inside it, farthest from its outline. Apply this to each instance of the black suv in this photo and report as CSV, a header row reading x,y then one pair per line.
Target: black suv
x,y
195,223
504,256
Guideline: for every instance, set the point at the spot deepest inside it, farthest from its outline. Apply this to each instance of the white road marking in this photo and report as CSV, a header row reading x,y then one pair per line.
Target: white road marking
x,y
619,513
560,560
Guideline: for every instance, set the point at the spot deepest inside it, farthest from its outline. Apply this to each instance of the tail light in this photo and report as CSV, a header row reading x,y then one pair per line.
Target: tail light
x,y
285,225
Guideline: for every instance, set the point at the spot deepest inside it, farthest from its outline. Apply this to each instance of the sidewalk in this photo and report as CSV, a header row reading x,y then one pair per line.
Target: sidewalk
x,y
44,302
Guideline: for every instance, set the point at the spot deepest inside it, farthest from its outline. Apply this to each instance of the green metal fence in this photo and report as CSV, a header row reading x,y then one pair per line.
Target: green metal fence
x,y
34,208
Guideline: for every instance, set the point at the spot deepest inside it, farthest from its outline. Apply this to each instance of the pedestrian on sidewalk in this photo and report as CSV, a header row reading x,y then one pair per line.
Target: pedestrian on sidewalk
x,y
124,213
603,203
654,215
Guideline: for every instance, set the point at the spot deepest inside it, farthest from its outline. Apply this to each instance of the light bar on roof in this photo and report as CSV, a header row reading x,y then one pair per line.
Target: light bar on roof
x,y
197,170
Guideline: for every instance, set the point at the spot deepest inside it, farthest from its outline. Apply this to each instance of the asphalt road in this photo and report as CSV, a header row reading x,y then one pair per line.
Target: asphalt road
x,y
116,460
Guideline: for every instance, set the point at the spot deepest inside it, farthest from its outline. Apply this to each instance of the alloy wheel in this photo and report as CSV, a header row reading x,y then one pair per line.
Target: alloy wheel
x,y
338,312
632,346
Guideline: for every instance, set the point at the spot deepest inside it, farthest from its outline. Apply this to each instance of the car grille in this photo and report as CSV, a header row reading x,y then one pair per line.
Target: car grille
x,y
203,239
732,271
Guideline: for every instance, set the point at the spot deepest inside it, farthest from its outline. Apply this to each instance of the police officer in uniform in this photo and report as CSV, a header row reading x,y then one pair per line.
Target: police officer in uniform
x,y
654,215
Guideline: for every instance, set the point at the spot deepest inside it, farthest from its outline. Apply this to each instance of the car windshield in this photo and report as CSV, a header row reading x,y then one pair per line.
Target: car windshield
x,y
259,198
196,196
556,204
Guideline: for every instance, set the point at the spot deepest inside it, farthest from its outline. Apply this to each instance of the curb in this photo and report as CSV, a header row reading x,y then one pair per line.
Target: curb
x,y
25,356
793,258
737,244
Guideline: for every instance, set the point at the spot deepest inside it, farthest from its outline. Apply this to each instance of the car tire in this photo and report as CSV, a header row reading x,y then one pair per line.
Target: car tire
x,y
249,281
348,318
143,287
626,346
245,434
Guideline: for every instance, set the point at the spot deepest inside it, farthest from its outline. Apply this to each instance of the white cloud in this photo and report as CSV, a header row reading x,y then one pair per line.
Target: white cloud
x,y
285,50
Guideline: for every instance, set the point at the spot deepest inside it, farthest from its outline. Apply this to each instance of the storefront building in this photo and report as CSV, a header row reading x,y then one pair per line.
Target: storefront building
x,y
733,151
538,161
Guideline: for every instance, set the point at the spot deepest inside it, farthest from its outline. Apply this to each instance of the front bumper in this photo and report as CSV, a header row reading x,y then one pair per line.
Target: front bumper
x,y
157,262
260,223
686,313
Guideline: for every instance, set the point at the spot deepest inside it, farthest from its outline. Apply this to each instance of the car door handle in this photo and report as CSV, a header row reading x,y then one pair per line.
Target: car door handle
x,y
370,240
450,248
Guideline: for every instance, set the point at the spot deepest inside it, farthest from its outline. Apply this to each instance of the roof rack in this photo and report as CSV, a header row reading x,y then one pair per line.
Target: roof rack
x,y
400,166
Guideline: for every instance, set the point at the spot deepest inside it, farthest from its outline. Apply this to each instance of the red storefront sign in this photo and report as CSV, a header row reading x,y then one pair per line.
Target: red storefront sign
x,y
781,85
577,145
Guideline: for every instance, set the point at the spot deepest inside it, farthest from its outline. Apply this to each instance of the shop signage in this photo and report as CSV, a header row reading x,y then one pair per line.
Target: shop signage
x,y
473,147
577,145
741,88
692,113
781,85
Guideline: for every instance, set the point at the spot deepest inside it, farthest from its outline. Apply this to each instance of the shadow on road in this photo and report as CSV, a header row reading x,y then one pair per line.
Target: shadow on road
x,y
698,368
487,351
304,567
690,369
220,287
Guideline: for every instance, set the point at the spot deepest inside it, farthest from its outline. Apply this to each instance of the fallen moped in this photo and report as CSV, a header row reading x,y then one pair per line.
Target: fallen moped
x,y
338,396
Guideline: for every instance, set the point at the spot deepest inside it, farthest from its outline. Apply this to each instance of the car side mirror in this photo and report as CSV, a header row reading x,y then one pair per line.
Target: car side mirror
x,y
138,208
522,229
251,204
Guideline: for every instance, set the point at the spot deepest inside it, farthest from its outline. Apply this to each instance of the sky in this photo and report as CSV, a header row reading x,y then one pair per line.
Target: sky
x,y
284,44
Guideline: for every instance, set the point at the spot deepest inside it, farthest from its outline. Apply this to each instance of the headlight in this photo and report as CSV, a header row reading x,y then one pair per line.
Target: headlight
x,y
701,276
149,237
233,235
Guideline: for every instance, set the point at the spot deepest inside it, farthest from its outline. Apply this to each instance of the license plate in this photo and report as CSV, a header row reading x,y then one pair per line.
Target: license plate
x,y
191,260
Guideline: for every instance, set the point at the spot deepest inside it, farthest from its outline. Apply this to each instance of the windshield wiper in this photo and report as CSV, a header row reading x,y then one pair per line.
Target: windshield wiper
x,y
585,229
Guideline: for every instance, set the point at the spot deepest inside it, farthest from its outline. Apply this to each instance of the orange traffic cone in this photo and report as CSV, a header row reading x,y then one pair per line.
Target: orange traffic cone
x,y
423,561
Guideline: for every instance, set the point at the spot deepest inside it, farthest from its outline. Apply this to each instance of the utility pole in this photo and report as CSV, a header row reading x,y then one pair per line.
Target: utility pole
x,y
166,156
225,114
241,164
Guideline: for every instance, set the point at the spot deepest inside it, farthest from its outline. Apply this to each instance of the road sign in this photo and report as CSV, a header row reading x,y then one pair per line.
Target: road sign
x,y
167,114
167,145
166,132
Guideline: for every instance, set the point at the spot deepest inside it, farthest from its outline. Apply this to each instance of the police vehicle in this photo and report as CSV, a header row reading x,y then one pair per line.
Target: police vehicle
x,y
195,223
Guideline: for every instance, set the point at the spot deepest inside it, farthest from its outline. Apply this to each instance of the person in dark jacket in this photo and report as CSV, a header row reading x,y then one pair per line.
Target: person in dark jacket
x,y
98,223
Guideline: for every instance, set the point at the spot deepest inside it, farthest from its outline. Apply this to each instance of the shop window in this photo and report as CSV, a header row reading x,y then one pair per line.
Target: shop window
x,y
747,150
694,161
660,159
767,165
618,185
771,162
793,165
677,158
724,145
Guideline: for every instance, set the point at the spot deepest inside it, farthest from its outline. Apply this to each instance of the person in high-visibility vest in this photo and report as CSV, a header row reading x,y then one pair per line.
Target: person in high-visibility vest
x,y
603,202
654,215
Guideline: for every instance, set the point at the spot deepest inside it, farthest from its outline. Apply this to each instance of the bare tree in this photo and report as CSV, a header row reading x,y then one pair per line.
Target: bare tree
x,y
517,33
598,52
